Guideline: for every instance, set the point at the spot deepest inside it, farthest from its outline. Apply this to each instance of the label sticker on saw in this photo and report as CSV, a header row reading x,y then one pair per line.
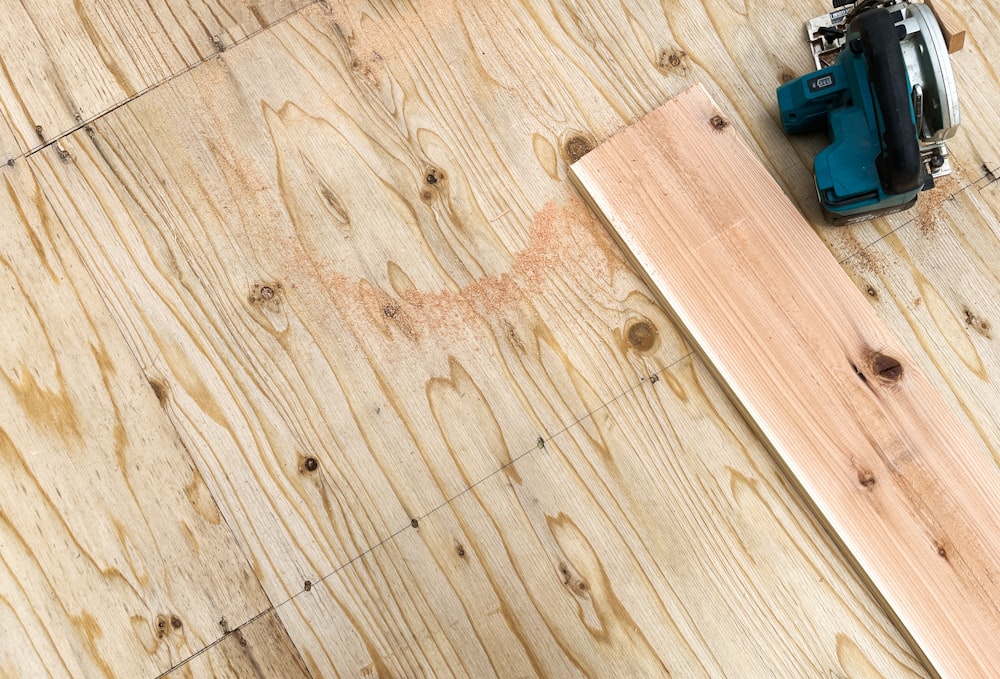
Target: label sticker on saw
x,y
821,82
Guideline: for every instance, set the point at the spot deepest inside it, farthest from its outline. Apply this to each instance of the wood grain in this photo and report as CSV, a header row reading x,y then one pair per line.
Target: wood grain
x,y
358,273
114,558
294,286
896,476
260,649
280,304
583,559
65,61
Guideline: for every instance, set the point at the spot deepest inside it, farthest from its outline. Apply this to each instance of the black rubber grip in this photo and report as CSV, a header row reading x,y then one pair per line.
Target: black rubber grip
x,y
899,166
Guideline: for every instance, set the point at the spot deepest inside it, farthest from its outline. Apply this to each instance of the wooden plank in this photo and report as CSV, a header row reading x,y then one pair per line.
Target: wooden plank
x,y
516,313
114,559
898,478
918,280
259,649
65,61
583,559
952,27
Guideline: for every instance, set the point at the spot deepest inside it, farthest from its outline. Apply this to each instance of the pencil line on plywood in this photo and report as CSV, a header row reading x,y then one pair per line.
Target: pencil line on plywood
x,y
540,445
988,174
86,122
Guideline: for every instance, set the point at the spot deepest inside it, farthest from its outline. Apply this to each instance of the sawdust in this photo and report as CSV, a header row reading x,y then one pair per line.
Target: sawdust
x,y
860,257
565,242
930,203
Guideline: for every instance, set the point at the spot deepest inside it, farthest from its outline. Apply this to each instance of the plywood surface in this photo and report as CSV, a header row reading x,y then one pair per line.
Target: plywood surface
x,y
908,490
65,62
350,240
114,558
257,649
576,560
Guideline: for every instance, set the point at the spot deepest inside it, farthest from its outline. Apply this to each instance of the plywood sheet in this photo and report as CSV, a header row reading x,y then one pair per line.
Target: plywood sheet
x,y
913,496
299,237
65,61
114,558
261,261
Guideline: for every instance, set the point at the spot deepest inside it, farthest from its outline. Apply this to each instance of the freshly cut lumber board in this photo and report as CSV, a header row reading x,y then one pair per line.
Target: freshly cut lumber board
x,y
951,26
910,494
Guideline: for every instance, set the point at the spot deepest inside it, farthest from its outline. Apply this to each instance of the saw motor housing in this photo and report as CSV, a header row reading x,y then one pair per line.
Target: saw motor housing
x,y
887,101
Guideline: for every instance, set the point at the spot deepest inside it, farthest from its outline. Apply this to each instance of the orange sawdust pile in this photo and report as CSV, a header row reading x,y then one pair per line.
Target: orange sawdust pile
x,y
564,242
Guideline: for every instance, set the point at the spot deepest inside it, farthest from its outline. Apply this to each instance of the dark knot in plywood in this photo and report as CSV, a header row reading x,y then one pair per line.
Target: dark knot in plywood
x,y
672,61
887,367
576,146
641,335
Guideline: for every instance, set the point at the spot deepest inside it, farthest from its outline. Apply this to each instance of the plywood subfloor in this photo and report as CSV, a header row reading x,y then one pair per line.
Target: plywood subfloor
x,y
441,424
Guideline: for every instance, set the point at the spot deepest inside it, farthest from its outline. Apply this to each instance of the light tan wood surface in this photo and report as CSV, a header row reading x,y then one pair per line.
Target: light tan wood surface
x,y
65,62
903,485
292,285
115,560
450,360
258,649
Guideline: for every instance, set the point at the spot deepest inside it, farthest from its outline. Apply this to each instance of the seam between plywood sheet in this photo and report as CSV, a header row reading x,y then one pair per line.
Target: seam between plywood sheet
x,y
85,122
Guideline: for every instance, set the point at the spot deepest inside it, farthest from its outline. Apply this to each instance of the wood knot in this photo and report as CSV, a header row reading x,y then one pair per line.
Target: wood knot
x,y
414,523
980,325
310,464
718,122
641,335
307,585
887,367
576,146
433,176
265,295
866,478
672,61
160,390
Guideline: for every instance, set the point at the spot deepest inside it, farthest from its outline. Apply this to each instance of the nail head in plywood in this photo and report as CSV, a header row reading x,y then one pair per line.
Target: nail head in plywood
x,y
912,497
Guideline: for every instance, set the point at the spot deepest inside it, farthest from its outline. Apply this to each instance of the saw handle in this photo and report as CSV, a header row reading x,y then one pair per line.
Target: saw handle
x,y
899,165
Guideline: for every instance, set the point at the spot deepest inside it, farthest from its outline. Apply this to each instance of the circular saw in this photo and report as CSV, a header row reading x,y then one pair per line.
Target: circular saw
x,y
885,92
